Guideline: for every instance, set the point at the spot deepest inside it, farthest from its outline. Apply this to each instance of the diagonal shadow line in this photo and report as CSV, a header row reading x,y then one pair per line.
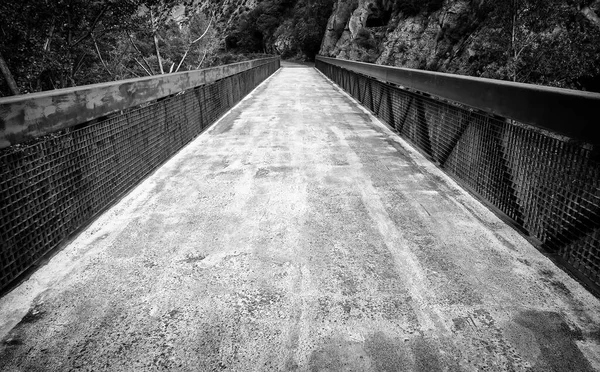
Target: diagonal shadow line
x,y
404,116
573,231
464,123
390,108
505,178
380,101
423,137
369,84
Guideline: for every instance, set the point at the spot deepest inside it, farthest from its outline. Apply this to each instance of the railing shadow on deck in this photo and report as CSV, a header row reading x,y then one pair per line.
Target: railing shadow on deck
x,y
67,155
530,153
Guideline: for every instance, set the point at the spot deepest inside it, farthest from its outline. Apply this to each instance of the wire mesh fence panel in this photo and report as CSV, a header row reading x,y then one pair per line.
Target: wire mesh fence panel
x,y
52,188
547,184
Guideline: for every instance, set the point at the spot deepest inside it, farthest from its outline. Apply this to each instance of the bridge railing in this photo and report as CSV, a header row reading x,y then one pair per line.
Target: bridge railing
x,y
66,155
528,152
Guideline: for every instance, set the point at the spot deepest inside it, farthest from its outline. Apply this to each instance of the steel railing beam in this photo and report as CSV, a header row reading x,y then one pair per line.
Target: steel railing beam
x,y
25,117
572,113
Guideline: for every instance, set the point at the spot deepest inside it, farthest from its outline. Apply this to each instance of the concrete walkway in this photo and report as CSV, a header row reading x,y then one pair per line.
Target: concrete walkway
x,y
299,233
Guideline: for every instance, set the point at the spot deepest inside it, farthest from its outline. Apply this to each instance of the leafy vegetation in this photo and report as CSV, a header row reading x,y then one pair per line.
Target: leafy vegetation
x,y
301,22
546,42
49,44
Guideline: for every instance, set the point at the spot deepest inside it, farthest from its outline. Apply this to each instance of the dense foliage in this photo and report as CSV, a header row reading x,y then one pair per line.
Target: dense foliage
x,y
50,44
546,42
288,27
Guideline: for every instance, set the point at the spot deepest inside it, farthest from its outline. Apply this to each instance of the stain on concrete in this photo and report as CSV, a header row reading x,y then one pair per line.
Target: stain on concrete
x,y
426,355
220,164
262,173
547,277
462,323
524,261
226,123
547,341
387,355
34,314
193,258
339,354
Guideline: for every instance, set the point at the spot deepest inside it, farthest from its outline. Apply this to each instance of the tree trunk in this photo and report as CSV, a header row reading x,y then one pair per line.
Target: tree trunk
x,y
144,68
160,65
100,56
12,84
49,38
155,37
591,16
141,55
513,40
202,60
192,43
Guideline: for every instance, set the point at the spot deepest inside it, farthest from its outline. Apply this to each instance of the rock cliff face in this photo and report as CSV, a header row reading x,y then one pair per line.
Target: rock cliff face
x,y
521,40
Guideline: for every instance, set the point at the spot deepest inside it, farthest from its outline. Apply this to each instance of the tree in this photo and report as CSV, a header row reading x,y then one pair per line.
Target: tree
x,y
302,22
533,41
12,84
49,44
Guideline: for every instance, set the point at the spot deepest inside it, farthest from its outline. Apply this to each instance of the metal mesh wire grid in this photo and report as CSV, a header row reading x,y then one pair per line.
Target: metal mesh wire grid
x,y
548,185
54,187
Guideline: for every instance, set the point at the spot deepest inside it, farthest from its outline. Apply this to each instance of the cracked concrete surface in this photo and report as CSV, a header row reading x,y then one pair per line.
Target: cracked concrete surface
x,y
299,233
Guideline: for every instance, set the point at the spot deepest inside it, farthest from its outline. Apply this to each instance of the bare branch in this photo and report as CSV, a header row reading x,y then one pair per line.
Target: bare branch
x,y
92,26
142,66
100,56
49,38
200,64
155,38
140,53
192,43
132,72
591,16
78,64
12,84
183,58
121,57
204,33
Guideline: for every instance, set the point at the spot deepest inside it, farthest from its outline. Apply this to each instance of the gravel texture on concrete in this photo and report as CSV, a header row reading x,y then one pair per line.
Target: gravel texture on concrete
x,y
299,233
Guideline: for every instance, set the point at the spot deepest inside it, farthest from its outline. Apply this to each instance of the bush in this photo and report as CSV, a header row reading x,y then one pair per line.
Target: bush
x,y
364,39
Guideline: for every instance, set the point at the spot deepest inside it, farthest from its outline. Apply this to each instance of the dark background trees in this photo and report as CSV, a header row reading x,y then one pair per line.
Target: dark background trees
x,y
293,28
51,44
547,42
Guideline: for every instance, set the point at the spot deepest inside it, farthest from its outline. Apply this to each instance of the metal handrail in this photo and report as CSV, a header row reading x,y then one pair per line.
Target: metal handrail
x,y
28,116
572,113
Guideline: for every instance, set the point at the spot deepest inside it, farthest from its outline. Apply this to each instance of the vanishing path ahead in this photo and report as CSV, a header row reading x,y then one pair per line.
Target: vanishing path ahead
x,y
299,233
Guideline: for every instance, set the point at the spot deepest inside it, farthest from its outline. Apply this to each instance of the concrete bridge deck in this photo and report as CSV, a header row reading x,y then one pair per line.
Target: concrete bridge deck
x,y
299,233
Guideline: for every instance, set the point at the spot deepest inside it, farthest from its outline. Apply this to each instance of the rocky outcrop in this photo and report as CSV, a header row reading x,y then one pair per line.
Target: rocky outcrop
x,y
338,24
473,37
376,31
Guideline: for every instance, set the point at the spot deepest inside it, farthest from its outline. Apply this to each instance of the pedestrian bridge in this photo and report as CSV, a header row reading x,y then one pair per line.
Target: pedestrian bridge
x,y
339,218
